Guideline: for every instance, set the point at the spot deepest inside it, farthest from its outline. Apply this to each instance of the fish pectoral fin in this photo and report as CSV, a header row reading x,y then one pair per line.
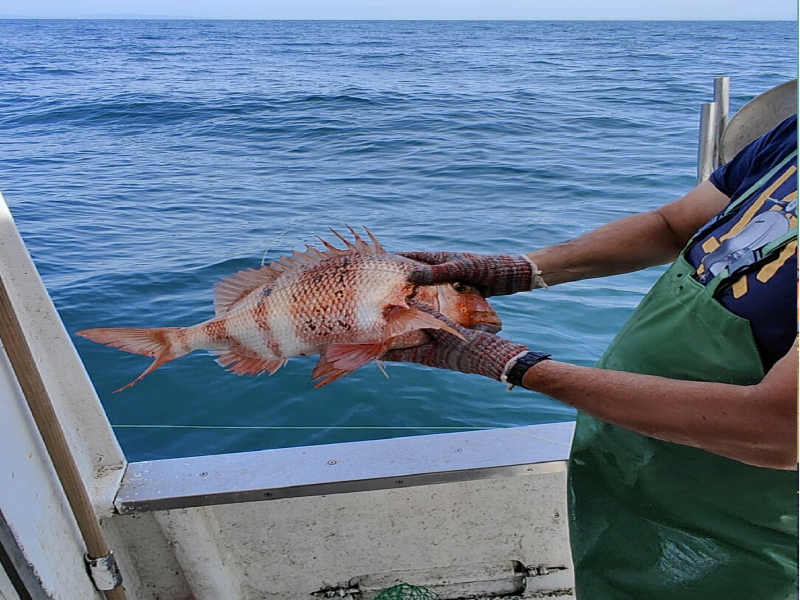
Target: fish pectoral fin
x,y
338,360
401,320
247,365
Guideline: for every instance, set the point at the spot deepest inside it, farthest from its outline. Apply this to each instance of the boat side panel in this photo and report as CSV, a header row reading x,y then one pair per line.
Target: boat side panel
x,y
32,502
94,446
6,588
288,548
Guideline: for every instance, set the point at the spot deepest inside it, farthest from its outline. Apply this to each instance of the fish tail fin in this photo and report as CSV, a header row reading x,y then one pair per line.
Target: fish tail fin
x,y
161,343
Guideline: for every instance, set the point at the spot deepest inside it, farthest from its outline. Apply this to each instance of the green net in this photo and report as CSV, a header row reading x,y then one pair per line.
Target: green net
x,y
405,591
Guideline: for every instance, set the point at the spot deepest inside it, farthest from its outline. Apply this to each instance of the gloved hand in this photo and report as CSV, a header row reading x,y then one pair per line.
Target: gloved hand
x,y
494,274
479,352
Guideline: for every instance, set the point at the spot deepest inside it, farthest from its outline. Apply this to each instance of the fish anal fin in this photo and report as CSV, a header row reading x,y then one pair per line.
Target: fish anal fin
x,y
242,364
401,320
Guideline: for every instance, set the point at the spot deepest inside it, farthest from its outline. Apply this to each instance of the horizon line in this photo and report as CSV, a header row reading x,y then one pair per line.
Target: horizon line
x,y
126,17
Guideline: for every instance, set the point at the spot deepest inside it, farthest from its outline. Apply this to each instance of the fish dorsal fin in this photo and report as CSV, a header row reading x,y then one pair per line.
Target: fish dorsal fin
x,y
357,246
229,291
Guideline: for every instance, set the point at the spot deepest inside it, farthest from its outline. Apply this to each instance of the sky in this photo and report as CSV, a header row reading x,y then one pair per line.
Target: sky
x,y
407,9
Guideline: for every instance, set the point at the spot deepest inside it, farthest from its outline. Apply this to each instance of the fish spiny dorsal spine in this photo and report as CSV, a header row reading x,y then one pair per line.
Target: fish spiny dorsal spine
x,y
230,291
349,305
313,256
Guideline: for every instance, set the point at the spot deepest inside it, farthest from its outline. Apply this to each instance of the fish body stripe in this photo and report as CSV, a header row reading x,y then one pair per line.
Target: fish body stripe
x,y
243,332
261,316
182,338
303,304
216,332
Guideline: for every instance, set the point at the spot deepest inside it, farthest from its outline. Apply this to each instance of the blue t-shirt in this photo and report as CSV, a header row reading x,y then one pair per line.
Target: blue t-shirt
x,y
765,293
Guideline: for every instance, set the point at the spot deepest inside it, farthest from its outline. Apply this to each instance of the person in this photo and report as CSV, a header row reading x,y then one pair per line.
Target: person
x,y
682,480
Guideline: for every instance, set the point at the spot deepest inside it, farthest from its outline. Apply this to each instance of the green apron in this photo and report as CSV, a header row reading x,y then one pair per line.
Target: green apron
x,y
652,520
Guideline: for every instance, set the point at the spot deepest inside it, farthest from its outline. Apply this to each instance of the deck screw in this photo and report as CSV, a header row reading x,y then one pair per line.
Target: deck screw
x,y
331,462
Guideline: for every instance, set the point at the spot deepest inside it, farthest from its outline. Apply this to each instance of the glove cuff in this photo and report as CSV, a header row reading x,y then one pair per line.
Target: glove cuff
x,y
536,275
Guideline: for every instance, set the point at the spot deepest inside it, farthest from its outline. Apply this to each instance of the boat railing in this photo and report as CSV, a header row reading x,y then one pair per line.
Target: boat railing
x,y
721,137
484,508
344,468
478,511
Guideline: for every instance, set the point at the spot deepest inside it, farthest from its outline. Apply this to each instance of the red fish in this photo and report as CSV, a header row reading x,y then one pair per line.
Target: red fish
x,y
350,305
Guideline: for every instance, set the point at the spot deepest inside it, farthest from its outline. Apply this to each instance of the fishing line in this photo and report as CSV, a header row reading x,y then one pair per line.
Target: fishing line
x,y
277,238
267,427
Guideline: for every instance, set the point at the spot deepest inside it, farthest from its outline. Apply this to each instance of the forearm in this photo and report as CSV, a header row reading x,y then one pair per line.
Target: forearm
x,y
627,245
633,243
740,422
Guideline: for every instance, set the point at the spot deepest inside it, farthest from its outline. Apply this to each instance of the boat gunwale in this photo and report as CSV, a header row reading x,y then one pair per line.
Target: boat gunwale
x,y
344,468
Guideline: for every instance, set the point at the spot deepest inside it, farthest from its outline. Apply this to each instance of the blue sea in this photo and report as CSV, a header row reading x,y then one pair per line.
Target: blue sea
x,y
143,160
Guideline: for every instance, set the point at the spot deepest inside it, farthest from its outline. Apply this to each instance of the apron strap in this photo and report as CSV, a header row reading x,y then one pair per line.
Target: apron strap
x,y
780,242
753,188
729,210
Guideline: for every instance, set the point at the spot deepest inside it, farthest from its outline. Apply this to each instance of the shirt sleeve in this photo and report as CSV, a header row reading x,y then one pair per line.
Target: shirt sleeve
x,y
755,159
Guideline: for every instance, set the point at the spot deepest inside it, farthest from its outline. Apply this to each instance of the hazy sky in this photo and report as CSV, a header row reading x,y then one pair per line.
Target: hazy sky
x,y
408,9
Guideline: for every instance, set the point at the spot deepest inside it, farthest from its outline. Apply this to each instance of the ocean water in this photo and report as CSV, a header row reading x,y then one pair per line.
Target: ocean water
x,y
143,160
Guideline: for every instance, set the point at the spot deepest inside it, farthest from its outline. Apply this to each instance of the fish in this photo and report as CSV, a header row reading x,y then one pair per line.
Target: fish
x,y
349,305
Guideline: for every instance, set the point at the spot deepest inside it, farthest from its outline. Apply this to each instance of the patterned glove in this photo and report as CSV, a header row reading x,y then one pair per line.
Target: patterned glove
x,y
495,274
479,352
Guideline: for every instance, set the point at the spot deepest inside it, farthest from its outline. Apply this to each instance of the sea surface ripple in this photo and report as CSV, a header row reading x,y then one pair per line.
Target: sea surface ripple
x,y
143,160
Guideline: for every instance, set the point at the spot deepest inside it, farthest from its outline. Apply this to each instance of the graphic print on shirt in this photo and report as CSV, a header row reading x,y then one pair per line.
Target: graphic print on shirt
x,y
769,217
735,241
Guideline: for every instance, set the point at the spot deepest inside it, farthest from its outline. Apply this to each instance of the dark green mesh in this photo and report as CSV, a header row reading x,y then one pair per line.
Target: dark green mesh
x,y
405,591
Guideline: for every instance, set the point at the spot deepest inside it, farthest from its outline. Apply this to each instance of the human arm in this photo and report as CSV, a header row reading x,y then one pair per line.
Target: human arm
x,y
631,243
755,424
628,244
752,424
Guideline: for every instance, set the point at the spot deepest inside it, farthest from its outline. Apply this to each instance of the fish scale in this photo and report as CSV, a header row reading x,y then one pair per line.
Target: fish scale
x,y
349,305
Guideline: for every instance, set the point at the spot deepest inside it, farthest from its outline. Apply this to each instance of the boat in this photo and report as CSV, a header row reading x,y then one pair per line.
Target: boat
x,y
480,514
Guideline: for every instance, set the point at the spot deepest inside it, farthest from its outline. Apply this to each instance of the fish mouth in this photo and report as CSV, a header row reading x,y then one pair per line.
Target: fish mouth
x,y
488,323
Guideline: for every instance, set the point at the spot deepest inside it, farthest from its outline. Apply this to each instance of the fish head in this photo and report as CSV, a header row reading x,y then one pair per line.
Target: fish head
x,y
464,304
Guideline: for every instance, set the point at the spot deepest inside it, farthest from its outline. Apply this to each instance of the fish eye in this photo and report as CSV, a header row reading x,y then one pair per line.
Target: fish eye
x,y
462,288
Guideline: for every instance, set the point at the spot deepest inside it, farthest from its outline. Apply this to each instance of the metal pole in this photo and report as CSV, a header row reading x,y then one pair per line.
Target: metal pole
x,y
706,149
722,97
41,407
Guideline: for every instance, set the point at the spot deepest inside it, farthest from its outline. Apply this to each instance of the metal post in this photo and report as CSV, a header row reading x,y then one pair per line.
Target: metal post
x,y
706,149
722,98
